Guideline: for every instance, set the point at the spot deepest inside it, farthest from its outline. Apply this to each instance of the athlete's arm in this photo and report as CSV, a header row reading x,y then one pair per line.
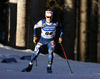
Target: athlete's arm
x,y
37,25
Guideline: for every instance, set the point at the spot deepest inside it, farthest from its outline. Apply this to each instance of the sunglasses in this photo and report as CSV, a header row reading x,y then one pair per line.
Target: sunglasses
x,y
49,17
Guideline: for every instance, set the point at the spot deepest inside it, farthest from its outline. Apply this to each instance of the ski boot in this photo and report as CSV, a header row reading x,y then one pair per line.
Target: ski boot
x,y
28,69
49,69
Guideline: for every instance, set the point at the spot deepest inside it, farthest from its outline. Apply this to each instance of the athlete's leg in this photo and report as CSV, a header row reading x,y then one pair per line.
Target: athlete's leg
x,y
36,53
37,50
51,48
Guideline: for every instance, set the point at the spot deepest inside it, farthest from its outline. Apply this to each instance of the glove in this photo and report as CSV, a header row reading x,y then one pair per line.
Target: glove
x,y
60,39
34,39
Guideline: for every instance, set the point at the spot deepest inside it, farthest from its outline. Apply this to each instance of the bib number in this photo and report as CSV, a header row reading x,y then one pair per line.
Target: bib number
x,y
48,33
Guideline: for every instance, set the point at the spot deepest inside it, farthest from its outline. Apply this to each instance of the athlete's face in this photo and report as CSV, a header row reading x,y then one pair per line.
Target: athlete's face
x,y
49,18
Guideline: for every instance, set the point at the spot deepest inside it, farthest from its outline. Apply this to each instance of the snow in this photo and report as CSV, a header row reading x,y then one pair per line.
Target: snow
x,y
81,70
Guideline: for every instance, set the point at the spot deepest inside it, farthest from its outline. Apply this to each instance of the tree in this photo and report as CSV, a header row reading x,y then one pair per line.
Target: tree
x,y
22,23
92,32
77,24
12,13
98,34
83,25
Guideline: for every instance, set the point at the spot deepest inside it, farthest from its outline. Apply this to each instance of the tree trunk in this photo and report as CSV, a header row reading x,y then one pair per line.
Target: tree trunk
x,y
69,27
28,10
83,24
76,46
98,35
21,24
12,13
92,32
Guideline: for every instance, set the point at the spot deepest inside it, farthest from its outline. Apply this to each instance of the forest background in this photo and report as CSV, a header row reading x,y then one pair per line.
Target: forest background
x,y
80,19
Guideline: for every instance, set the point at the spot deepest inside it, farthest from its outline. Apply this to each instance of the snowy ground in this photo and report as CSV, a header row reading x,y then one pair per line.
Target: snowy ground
x,y
81,70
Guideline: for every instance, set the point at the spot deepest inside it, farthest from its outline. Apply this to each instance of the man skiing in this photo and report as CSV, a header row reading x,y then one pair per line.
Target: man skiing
x,y
48,31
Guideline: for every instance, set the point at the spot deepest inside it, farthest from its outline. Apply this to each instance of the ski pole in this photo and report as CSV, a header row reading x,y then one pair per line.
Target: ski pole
x,y
36,59
66,58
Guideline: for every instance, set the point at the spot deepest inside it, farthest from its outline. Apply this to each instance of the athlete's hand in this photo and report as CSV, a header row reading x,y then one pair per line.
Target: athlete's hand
x,y
34,39
60,39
